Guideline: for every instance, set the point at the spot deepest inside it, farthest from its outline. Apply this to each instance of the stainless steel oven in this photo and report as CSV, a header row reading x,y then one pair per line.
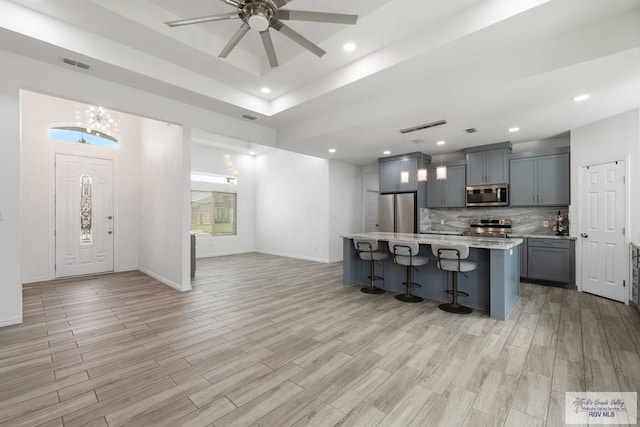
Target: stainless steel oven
x,y
488,195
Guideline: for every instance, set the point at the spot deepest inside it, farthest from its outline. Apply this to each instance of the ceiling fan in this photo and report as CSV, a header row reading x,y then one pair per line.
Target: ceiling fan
x,y
264,14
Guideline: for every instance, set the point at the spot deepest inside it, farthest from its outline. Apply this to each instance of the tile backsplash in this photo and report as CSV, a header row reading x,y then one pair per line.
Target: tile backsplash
x,y
527,220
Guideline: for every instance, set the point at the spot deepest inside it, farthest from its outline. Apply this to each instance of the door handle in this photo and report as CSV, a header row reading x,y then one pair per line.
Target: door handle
x,y
110,217
585,235
109,232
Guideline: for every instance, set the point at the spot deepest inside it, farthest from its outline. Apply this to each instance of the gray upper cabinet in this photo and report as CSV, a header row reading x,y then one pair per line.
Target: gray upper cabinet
x,y
447,193
394,169
489,164
541,180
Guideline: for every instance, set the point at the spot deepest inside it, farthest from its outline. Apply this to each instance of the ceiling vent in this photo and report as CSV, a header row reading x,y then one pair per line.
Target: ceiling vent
x,y
76,63
471,130
418,141
248,117
424,126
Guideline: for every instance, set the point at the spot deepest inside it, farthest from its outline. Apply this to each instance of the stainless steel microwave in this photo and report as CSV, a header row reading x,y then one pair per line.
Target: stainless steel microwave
x,y
488,195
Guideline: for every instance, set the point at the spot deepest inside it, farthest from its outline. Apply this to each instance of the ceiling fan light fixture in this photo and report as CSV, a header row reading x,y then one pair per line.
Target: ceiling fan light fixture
x,y
258,22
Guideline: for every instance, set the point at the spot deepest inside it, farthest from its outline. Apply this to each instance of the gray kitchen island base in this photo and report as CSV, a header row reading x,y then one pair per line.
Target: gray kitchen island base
x,y
493,286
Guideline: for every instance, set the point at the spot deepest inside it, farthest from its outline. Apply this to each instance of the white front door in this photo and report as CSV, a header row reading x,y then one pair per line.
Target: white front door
x,y
84,215
604,249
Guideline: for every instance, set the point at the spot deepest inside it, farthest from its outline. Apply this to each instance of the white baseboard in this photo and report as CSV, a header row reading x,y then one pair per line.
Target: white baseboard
x,y
159,278
217,254
36,280
322,260
125,269
10,321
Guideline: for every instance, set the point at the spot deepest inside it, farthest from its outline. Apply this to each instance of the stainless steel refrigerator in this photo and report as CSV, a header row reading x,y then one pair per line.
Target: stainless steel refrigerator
x,y
397,213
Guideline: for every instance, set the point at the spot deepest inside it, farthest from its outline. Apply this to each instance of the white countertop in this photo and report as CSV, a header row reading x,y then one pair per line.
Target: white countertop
x,y
428,239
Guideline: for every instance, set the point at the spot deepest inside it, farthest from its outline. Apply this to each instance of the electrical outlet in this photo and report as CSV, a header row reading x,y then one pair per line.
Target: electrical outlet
x,y
442,222
545,223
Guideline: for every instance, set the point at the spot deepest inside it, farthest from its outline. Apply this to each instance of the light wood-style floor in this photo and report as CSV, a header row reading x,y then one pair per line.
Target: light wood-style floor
x,y
271,341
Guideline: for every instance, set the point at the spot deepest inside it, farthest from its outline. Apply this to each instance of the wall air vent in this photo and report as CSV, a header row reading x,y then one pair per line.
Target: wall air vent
x,y
424,126
471,130
76,63
249,117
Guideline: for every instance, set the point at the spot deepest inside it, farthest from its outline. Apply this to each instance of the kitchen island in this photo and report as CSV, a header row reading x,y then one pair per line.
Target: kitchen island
x,y
492,286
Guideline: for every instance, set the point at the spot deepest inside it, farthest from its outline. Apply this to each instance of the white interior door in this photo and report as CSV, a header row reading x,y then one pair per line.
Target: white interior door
x,y
604,249
84,215
371,211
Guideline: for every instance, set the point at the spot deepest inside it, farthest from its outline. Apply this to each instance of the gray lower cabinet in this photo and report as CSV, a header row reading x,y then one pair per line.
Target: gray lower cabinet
x,y
550,260
446,193
540,180
524,258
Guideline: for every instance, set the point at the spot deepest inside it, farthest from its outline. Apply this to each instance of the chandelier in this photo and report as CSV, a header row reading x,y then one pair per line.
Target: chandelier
x,y
233,179
98,120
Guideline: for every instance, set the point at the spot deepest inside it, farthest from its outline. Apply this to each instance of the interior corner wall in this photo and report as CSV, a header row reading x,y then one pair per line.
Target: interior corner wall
x,y
38,113
10,283
211,160
345,204
292,205
160,203
614,138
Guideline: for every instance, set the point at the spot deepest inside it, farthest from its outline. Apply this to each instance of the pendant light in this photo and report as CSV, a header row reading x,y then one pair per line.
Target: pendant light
x,y
441,171
422,171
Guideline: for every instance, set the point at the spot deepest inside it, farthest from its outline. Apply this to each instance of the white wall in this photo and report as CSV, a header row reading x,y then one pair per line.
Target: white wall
x,y
292,205
21,72
10,286
615,138
160,203
211,160
39,112
345,204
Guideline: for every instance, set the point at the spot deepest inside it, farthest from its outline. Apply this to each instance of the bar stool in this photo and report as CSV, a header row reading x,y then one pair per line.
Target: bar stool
x,y
450,258
405,253
367,250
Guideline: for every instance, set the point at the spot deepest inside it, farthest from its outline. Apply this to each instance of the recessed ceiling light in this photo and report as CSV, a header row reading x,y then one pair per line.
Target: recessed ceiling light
x,y
332,150
349,47
253,153
581,98
441,142
386,153
514,129
265,90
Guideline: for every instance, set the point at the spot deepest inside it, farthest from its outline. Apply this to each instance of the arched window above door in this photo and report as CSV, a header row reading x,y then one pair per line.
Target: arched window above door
x,y
80,135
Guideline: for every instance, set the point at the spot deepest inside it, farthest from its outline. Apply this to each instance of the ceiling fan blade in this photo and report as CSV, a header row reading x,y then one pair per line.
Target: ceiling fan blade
x,y
303,15
232,3
268,47
280,3
244,28
200,20
298,38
